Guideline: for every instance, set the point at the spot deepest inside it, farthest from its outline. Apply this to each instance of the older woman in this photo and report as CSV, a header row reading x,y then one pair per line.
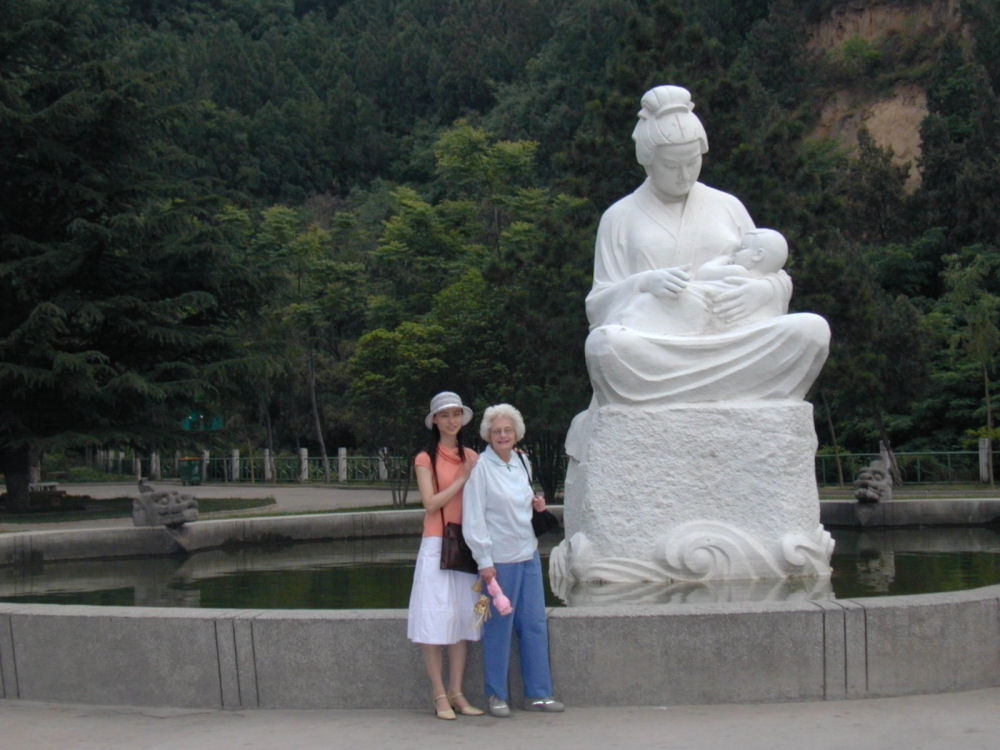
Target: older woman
x,y
497,506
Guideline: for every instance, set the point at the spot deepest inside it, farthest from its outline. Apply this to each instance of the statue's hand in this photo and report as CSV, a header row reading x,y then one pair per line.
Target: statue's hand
x,y
665,282
743,297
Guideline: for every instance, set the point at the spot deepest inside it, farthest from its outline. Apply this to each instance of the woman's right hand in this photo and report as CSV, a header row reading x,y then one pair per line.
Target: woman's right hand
x,y
665,282
488,574
741,298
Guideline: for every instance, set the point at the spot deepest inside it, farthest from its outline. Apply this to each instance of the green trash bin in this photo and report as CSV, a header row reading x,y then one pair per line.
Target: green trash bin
x,y
189,470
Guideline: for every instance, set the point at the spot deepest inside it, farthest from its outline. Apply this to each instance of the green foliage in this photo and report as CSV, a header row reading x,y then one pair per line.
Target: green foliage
x,y
984,22
505,323
971,310
116,288
397,368
874,192
309,216
859,56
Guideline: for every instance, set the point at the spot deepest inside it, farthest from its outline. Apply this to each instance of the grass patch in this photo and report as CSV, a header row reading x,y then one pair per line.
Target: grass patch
x,y
211,505
326,511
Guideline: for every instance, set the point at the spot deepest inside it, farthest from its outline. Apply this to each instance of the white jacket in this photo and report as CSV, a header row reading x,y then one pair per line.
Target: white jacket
x,y
496,511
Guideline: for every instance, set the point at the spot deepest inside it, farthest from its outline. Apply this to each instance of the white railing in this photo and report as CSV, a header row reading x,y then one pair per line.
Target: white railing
x,y
918,467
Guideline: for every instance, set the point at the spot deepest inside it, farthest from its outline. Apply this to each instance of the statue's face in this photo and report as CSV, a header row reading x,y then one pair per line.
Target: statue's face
x,y
873,482
675,169
170,508
747,255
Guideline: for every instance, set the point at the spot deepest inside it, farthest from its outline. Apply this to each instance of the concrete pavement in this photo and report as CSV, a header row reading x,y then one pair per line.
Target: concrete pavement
x,y
289,498
954,721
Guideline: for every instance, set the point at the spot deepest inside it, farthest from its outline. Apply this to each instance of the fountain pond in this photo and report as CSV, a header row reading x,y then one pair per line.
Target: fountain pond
x,y
375,573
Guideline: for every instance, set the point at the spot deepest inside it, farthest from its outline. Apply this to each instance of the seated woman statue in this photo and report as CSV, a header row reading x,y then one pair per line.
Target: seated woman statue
x,y
651,245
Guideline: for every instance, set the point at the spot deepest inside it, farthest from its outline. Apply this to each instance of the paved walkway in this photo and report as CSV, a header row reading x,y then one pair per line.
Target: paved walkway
x,y
289,498
952,721
955,721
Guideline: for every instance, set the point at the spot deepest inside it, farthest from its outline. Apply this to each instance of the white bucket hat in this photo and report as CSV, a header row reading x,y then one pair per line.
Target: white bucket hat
x,y
447,400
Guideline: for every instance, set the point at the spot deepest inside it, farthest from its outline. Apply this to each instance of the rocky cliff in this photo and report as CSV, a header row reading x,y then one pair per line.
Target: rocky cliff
x,y
881,44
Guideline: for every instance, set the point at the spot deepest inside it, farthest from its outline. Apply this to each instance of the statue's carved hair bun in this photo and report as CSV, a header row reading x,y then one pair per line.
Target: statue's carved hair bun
x,y
663,99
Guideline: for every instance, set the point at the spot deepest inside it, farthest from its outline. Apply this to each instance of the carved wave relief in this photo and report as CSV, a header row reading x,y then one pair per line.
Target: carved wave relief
x,y
699,551
588,594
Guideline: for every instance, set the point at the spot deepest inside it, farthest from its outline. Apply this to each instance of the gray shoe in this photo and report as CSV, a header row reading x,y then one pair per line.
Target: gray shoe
x,y
498,708
549,705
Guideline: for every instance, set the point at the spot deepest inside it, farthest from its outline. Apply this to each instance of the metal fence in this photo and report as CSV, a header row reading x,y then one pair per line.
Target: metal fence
x,y
924,467
361,469
294,469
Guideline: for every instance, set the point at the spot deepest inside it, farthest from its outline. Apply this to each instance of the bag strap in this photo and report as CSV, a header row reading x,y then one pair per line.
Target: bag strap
x,y
520,455
434,479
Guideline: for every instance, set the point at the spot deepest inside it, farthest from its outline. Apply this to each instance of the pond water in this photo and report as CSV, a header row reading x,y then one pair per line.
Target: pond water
x,y
376,573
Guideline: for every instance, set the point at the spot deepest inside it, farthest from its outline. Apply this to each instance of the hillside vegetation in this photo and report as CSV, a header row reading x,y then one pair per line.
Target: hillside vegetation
x,y
306,216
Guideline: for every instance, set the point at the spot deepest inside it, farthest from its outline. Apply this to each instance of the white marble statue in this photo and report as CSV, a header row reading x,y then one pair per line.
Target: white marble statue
x,y
761,254
692,355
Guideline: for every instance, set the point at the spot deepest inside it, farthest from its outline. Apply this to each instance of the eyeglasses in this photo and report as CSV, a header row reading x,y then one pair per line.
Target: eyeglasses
x,y
502,431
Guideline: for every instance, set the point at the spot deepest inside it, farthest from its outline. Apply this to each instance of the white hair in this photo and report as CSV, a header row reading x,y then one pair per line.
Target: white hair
x,y
501,410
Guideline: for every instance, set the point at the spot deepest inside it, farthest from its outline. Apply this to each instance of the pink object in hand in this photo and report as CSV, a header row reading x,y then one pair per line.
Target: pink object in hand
x,y
500,600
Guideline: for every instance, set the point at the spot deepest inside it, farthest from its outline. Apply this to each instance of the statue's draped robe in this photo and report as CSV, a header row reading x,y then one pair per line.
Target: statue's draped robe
x,y
774,358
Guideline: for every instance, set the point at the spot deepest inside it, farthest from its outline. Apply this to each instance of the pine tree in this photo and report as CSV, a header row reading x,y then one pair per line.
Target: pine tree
x,y
117,292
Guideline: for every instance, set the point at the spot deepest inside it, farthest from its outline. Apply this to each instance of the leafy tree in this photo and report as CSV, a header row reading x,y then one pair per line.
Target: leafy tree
x,y
960,144
875,193
471,164
877,362
912,268
778,53
514,327
116,288
544,275
421,247
975,316
148,143
305,330
561,86
393,373
983,20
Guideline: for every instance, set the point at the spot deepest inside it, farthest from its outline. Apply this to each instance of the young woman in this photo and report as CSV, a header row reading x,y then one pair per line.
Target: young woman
x,y
442,601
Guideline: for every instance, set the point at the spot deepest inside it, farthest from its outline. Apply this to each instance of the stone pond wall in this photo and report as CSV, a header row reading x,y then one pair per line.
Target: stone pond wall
x,y
611,655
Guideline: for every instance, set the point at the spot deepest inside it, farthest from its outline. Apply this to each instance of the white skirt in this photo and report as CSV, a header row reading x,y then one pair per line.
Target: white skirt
x,y
441,601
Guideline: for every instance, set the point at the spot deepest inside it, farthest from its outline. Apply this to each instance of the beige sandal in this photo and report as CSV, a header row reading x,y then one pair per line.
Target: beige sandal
x,y
468,709
446,713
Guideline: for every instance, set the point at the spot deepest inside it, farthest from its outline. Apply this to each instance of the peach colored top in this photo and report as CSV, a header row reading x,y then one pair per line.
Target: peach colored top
x,y
448,466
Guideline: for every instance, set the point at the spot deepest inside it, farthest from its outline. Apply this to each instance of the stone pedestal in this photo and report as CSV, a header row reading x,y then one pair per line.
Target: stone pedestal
x,y
693,492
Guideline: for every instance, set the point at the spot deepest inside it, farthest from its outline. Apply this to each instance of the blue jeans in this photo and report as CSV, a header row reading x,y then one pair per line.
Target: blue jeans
x,y
522,583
